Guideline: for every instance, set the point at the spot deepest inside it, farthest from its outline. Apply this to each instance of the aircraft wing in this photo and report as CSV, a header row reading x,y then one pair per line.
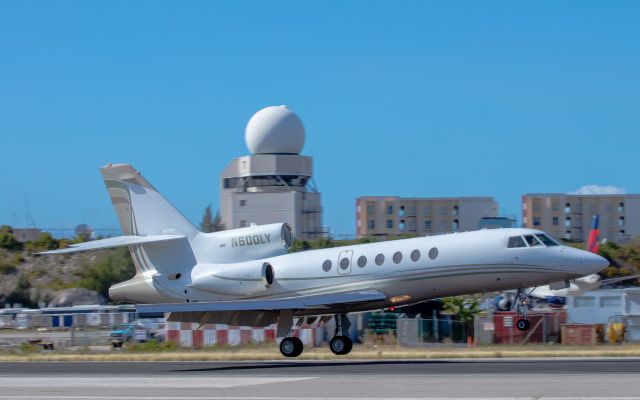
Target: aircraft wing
x,y
114,242
319,302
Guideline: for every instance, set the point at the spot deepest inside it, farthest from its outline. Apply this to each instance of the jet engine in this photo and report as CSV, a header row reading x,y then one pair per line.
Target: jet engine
x,y
505,301
250,243
239,279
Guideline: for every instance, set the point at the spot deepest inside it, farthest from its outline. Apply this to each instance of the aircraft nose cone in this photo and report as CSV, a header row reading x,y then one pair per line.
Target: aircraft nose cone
x,y
597,261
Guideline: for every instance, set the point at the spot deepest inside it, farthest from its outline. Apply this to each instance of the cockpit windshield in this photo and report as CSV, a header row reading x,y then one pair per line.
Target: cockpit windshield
x,y
532,241
516,241
535,240
547,240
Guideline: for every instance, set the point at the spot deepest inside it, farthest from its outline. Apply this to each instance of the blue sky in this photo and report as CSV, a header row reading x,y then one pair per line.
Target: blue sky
x,y
409,98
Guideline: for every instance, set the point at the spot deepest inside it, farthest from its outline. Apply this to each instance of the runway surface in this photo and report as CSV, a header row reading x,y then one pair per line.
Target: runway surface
x,y
315,380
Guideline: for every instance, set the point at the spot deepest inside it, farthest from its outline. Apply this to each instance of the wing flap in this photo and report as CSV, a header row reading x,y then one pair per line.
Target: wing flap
x,y
118,241
318,302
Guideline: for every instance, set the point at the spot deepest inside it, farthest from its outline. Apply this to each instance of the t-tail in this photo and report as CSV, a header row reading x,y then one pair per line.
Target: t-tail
x,y
592,243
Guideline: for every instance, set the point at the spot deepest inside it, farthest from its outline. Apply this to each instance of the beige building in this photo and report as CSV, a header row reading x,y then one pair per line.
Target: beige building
x,y
390,216
569,216
273,184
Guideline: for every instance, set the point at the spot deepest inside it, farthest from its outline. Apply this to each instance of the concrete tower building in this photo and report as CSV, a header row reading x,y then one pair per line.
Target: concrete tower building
x,y
274,183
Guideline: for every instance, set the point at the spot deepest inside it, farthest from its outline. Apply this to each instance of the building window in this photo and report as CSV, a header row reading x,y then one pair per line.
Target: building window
x,y
401,212
427,211
583,302
555,220
454,211
524,206
621,221
610,301
389,224
536,221
567,222
621,207
567,208
555,206
243,223
371,224
427,224
621,232
243,203
371,208
567,235
454,225
389,210
401,226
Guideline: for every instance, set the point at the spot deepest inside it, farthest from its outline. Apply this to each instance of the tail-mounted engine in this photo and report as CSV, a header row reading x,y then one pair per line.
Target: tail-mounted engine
x,y
250,243
242,279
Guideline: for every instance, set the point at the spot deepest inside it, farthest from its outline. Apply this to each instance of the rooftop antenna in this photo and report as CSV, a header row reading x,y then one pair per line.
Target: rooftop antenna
x,y
28,218
15,220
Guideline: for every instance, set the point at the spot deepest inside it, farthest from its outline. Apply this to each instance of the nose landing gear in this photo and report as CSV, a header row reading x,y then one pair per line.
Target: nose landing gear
x,y
522,304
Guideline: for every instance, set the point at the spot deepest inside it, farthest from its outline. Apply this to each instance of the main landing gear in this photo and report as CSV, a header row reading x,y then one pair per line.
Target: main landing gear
x,y
341,343
291,347
522,304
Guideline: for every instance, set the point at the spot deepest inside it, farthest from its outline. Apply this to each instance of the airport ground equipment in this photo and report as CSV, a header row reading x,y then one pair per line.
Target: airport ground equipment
x,y
246,277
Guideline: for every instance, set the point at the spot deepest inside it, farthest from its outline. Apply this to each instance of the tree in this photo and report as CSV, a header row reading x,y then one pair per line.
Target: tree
x,y
7,239
113,267
210,223
465,308
207,220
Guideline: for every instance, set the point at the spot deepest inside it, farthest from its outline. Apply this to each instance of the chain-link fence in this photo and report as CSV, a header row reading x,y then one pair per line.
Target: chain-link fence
x,y
418,331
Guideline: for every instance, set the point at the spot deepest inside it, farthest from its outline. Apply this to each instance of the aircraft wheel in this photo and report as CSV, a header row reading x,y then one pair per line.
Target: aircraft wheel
x,y
291,347
523,324
340,345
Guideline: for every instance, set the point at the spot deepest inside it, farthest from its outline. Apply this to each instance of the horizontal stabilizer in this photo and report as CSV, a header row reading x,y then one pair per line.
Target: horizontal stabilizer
x,y
118,241
316,302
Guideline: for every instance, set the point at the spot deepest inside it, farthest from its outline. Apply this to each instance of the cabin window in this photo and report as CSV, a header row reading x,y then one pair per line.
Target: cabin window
x,y
380,259
516,241
532,241
415,255
433,253
547,240
344,263
397,257
362,261
326,266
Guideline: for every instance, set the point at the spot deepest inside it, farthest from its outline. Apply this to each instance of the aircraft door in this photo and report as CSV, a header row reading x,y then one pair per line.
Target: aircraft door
x,y
344,262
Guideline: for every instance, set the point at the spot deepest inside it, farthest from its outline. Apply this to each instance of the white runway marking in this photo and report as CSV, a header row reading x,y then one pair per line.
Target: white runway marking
x,y
140,382
307,398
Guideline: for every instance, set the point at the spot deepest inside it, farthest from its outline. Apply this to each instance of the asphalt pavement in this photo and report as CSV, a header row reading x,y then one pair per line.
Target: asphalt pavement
x,y
393,379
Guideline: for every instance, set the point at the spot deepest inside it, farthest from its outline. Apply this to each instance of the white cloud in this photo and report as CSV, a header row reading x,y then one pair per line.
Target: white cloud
x,y
598,189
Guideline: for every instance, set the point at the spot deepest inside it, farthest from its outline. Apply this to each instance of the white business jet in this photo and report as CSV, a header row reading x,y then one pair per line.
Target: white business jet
x,y
245,276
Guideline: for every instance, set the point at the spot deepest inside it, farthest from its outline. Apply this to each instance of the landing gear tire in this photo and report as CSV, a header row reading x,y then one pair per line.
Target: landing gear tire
x,y
523,324
341,345
291,347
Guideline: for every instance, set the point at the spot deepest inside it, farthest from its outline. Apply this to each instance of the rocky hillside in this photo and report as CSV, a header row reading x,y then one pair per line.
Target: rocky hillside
x,y
33,280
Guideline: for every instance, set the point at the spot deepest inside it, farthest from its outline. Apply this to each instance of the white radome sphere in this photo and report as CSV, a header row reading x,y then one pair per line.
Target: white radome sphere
x,y
275,130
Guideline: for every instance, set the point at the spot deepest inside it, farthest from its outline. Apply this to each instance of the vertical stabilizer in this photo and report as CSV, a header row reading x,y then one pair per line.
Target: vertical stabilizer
x,y
141,209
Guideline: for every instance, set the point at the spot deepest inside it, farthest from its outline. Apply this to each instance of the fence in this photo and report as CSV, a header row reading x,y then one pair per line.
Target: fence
x,y
418,331
545,327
